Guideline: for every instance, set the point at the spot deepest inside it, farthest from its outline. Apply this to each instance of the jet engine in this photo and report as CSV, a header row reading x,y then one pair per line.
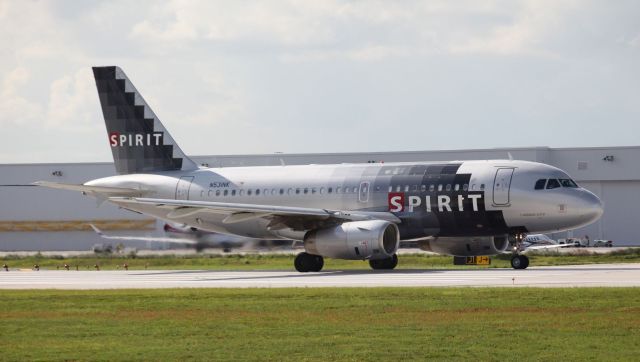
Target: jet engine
x,y
466,246
371,239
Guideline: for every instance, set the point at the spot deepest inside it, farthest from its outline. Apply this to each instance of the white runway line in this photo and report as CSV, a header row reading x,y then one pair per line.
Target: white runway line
x,y
627,275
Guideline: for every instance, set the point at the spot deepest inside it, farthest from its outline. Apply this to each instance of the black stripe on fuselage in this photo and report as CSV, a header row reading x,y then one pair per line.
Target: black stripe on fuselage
x,y
465,222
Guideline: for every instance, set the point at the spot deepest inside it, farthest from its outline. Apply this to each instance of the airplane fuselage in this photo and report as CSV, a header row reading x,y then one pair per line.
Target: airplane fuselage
x,y
465,198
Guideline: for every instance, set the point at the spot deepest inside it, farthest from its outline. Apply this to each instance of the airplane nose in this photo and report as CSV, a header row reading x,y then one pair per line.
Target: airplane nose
x,y
591,206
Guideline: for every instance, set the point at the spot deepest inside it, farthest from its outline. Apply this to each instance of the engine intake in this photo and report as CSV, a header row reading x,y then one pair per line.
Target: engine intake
x,y
371,239
470,246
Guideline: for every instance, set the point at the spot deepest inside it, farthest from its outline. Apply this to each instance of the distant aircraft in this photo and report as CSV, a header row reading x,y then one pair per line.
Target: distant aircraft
x,y
346,211
199,240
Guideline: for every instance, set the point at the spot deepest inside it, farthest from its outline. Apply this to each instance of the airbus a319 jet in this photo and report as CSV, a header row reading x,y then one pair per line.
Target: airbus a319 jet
x,y
347,211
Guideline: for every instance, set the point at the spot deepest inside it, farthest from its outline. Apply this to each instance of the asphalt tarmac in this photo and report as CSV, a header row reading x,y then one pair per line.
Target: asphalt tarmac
x,y
598,275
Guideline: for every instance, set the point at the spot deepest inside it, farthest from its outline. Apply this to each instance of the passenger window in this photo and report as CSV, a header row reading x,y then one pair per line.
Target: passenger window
x,y
210,193
465,187
440,187
481,187
217,192
423,188
273,191
248,192
322,190
330,190
553,184
406,188
257,192
297,191
306,190
390,188
241,192
432,188
338,190
281,191
313,190
448,187
233,192
456,187
266,192
289,191
540,184
414,188
226,192
398,188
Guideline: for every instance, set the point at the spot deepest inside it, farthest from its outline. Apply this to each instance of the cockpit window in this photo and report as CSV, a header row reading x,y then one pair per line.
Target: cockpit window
x,y
553,184
568,183
540,184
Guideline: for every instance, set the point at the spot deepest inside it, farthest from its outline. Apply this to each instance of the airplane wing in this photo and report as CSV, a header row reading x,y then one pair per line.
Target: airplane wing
x,y
144,238
297,218
544,247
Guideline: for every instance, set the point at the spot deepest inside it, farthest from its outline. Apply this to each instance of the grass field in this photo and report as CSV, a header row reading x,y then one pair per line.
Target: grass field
x,y
285,262
377,324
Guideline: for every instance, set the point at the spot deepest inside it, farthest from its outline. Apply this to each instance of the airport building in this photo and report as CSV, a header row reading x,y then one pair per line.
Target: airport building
x,y
38,218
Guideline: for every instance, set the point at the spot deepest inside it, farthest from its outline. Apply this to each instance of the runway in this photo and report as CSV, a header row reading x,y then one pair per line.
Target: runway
x,y
602,275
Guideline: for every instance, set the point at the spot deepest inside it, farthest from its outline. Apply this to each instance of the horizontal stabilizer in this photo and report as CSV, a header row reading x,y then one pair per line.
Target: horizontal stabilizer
x,y
110,191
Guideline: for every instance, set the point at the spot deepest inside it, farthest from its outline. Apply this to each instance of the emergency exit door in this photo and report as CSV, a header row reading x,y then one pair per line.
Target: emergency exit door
x,y
182,188
501,186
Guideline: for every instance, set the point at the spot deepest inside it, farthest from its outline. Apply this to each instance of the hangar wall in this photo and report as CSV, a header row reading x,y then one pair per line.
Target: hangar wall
x,y
34,218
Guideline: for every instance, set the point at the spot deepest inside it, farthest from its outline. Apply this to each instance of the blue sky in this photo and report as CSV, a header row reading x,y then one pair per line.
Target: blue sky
x,y
239,77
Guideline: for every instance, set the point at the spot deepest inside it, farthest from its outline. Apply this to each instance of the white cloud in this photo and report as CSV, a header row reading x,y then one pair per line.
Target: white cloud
x,y
73,102
15,108
288,22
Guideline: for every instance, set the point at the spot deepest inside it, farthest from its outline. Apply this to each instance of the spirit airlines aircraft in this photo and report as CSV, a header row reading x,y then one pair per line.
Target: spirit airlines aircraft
x,y
348,211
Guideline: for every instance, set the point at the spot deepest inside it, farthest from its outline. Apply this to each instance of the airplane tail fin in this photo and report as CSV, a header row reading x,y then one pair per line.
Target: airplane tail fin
x,y
139,142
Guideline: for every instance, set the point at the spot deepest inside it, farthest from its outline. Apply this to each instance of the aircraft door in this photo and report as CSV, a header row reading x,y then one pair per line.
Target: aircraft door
x,y
182,188
501,186
363,192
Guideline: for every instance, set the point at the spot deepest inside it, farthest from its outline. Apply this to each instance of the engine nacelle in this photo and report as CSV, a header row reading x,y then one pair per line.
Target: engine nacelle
x,y
469,246
371,239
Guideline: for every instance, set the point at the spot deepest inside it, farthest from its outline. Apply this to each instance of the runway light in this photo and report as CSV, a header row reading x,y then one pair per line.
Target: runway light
x,y
97,267
36,267
6,267
66,267
125,266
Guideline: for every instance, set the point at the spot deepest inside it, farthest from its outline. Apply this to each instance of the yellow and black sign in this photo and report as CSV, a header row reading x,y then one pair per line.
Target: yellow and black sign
x,y
471,260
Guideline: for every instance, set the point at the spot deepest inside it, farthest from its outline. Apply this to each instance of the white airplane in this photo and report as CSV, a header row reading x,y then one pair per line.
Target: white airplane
x,y
348,211
184,235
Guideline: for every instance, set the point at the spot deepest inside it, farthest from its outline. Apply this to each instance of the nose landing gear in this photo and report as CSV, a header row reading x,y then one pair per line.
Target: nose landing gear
x,y
519,261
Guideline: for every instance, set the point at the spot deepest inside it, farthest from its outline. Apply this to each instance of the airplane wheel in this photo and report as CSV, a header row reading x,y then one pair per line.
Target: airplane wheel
x,y
384,264
519,262
306,262
318,263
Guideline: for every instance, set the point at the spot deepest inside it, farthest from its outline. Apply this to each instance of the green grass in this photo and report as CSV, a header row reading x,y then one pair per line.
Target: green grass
x,y
285,262
360,324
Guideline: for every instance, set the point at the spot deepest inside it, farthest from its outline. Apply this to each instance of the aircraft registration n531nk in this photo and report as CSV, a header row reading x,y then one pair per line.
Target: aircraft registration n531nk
x,y
347,211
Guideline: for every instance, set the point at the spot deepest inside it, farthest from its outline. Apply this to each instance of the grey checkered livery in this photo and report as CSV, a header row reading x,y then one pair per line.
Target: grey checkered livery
x,y
139,142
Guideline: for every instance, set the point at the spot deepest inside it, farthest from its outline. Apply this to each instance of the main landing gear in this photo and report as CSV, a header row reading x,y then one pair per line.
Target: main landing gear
x,y
519,261
384,264
306,262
